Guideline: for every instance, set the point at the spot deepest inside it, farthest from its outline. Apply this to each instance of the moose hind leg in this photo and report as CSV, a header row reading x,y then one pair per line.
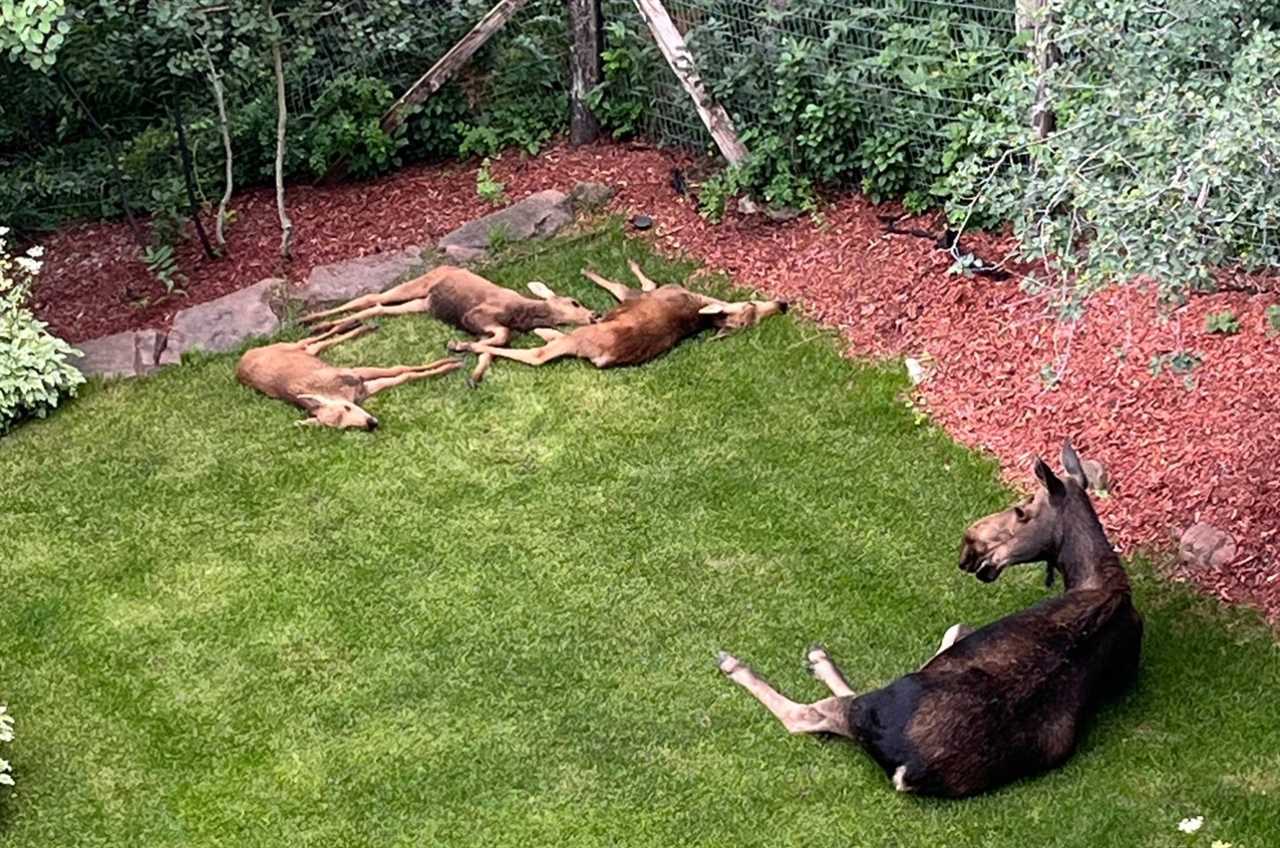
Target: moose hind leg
x,y
825,716
618,290
421,372
822,667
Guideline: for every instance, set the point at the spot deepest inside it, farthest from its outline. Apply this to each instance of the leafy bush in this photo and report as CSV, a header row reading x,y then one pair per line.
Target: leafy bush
x,y
346,125
628,61
1223,323
1163,166
34,372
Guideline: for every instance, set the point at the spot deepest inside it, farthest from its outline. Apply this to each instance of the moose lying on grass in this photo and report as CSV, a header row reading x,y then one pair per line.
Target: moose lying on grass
x,y
1011,699
292,371
644,325
466,301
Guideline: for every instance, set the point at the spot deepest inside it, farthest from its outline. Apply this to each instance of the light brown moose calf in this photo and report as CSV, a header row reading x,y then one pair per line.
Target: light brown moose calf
x,y
467,301
331,396
644,325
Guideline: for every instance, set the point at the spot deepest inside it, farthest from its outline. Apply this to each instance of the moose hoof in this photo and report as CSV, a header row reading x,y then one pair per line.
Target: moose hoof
x,y
473,383
727,663
814,655
455,346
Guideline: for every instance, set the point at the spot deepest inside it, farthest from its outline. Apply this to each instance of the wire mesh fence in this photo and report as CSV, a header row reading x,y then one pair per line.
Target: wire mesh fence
x,y
883,53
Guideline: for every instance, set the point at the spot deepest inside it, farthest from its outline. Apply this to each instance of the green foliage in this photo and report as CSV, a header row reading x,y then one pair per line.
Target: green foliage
x,y
34,372
345,125
1273,318
489,190
32,31
847,96
622,100
1177,362
1163,164
162,264
1223,323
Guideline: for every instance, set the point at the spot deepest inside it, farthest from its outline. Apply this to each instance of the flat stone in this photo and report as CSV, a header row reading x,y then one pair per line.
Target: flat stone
x,y
129,354
536,217
226,323
1205,546
590,196
330,285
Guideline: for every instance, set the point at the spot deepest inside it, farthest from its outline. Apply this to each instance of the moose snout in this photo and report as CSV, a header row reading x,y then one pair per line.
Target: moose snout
x,y
371,425
783,306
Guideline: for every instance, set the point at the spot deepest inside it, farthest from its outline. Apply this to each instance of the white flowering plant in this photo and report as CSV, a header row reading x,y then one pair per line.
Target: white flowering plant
x,y
6,735
34,370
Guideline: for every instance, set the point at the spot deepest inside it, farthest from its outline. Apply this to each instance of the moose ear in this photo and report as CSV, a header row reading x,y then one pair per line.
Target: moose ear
x,y
712,309
541,290
310,402
1049,480
1072,465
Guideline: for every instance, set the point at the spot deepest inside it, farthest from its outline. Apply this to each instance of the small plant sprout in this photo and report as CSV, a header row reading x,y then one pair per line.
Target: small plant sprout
x,y
1223,323
490,190
1273,318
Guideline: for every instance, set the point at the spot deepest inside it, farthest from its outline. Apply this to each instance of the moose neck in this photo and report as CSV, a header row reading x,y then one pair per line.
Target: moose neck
x,y
1083,555
528,315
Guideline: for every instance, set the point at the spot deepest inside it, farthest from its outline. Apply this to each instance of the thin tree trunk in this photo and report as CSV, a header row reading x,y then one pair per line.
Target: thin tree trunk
x,y
286,225
189,177
219,232
113,152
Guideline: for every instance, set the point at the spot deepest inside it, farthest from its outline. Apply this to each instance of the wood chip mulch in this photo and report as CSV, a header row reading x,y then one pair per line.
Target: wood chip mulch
x,y
1178,452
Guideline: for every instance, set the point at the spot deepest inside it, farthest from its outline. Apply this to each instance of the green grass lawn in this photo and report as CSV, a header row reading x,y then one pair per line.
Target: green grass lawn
x,y
493,622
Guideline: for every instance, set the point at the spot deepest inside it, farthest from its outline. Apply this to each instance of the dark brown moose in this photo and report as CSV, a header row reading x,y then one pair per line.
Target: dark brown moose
x,y
1011,699
644,325
466,301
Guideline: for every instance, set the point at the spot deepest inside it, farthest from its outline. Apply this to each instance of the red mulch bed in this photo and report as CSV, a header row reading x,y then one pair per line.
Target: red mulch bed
x,y
1176,455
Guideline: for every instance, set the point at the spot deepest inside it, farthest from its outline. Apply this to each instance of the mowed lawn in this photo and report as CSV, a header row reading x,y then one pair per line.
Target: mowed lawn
x,y
493,622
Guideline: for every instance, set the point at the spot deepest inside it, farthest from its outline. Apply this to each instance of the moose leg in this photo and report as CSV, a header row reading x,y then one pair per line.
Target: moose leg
x,y
821,667
825,716
406,308
646,284
498,336
420,372
397,294
529,356
618,290
324,341
954,634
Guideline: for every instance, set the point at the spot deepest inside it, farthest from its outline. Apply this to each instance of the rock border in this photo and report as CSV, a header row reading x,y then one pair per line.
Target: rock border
x,y
261,310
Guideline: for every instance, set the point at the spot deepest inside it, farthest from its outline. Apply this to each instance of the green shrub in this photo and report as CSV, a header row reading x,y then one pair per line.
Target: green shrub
x,y
1223,323
34,372
346,125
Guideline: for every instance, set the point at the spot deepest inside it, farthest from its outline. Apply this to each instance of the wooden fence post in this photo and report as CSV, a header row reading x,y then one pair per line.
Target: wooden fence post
x,y
676,52
586,22
1036,17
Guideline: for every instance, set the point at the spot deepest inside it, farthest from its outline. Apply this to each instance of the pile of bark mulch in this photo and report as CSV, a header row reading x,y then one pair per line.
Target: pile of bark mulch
x,y
1178,451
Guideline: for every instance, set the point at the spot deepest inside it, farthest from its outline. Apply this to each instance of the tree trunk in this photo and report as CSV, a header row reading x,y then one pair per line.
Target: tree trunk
x,y
1036,17
286,225
189,177
219,232
587,25
113,152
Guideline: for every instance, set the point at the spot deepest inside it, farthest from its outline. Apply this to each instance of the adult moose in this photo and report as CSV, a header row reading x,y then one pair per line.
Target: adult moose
x,y
1008,700
644,325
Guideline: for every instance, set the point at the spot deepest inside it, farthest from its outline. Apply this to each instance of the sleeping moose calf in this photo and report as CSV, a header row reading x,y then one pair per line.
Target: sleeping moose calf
x,y
331,396
1008,700
644,325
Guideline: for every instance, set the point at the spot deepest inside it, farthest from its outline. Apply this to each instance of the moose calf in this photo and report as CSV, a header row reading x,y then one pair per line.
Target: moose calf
x,y
291,371
466,301
1011,699
644,325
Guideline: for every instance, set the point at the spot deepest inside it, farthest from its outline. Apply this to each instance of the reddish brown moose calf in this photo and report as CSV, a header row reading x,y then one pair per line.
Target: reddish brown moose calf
x,y
643,326
1011,699
466,301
